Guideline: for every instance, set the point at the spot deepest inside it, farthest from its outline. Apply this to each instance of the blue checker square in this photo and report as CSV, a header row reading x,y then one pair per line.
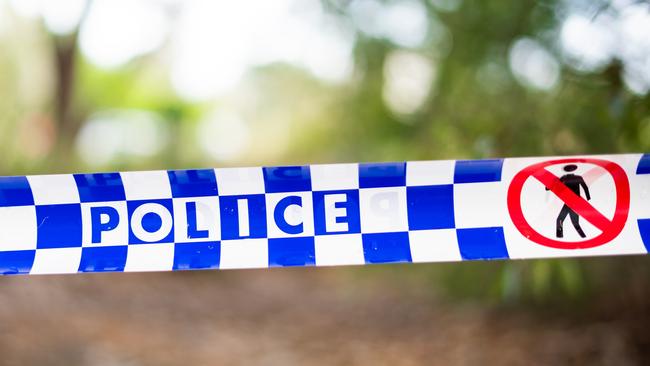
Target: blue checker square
x,y
230,223
430,207
197,255
193,183
16,262
644,229
482,243
100,187
287,179
15,191
477,171
345,211
644,165
284,252
152,221
59,226
386,247
103,259
374,175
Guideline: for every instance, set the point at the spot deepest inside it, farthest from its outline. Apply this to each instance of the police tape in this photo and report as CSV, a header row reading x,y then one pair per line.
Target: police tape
x,y
338,214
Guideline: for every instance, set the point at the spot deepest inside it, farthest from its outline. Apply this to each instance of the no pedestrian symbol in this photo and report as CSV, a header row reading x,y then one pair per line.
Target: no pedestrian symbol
x,y
568,189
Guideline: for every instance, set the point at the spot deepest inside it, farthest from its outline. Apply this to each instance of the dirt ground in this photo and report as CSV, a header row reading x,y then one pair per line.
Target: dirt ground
x,y
293,316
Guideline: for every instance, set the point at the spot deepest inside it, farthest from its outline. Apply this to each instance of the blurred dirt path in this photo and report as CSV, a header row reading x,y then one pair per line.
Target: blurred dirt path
x,y
278,317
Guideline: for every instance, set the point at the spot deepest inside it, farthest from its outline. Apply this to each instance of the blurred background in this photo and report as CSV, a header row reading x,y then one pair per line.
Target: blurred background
x,y
109,85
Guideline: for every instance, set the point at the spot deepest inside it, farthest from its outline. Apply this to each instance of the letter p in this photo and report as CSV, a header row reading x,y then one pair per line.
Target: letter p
x,y
104,218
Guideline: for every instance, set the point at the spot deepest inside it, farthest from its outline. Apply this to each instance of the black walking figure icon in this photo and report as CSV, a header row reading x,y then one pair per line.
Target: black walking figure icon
x,y
573,182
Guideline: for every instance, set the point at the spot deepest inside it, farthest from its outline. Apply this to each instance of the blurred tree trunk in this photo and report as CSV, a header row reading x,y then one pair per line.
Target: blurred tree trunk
x,y
65,50
68,117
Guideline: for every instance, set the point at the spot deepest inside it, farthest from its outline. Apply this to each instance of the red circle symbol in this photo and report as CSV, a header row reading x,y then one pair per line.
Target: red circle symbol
x,y
609,228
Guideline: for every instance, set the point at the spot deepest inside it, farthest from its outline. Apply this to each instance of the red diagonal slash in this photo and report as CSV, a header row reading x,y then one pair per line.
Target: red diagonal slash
x,y
574,201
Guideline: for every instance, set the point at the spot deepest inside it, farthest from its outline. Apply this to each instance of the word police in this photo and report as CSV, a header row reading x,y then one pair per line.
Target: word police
x,y
281,209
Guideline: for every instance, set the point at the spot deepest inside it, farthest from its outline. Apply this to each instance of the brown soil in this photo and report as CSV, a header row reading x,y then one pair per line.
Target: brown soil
x,y
288,317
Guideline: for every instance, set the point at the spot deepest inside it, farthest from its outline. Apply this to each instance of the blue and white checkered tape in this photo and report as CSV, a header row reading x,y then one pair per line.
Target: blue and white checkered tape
x,y
338,214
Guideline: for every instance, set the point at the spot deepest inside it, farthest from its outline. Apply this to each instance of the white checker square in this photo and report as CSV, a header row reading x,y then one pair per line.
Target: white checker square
x,y
434,245
146,185
149,257
244,253
480,204
428,173
329,177
383,209
116,233
206,217
332,250
293,214
17,228
54,189
58,260
239,181
640,196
